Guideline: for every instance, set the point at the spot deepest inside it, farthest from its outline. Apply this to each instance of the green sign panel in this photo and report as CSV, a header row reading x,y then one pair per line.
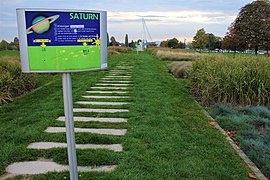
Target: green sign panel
x,y
62,41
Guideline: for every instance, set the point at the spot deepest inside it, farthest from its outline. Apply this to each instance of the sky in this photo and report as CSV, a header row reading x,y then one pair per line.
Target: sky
x,y
165,19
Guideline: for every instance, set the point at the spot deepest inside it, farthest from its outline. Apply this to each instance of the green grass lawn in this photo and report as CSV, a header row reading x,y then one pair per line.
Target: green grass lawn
x,y
168,136
9,53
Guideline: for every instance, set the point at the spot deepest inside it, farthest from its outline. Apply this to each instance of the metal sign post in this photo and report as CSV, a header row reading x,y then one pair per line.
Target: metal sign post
x,y
71,144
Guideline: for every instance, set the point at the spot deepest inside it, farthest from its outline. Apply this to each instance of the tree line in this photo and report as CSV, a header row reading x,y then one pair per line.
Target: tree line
x,y
250,30
13,45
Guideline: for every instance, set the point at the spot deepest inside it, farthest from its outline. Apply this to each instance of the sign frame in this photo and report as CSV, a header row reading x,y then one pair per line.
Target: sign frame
x,y
24,53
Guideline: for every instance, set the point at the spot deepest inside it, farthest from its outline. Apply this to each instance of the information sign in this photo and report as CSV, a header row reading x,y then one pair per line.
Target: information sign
x,y
62,40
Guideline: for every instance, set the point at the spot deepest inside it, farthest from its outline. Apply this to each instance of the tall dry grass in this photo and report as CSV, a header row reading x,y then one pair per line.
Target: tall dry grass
x,y
13,82
174,54
177,55
118,50
218,79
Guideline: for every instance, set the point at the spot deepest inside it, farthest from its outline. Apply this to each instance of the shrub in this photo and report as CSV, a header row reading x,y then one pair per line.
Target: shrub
x,y
180,69
13,82
218,79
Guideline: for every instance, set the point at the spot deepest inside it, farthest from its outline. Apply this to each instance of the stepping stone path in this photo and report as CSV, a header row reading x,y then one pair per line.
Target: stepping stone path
x,y
114,86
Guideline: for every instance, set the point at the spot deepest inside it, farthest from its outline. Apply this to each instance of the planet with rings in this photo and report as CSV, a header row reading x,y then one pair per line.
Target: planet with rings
x,y
41,24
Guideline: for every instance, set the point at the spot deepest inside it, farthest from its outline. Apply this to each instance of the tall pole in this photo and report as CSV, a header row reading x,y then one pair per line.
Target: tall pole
x,y
68,105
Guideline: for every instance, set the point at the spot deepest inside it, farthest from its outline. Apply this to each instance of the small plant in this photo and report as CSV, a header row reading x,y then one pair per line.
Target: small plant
x,y
251,125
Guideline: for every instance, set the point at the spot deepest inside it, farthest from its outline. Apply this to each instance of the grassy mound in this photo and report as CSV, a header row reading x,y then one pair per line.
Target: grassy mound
x,y
180,69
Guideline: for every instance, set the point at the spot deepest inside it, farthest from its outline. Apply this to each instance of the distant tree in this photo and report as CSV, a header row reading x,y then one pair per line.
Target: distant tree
x,y
200,40
181,45
108,39
233,42
218,43
164,43
113,42
173,43
3,45
132,44
253,23
17,44
11,46
126,40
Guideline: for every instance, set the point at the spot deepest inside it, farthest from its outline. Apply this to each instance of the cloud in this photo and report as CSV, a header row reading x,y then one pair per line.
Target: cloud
x,y
173,17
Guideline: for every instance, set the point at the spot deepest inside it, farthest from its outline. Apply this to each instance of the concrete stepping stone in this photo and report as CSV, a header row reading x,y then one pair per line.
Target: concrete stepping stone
x,y
124,67
107,92
108,87
95,119
102,84
116,81
46,166
118,76
106,78
50,145
101,103
115,132
120,71
106,97
100,110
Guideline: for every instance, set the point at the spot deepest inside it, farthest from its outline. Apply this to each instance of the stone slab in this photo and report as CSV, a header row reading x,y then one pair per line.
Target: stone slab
x,y
118,76
95,119
116,81
107,92
119,73
108,87
50,145
106,97
99,110
103,84
101,103
115,78
43,167
115,132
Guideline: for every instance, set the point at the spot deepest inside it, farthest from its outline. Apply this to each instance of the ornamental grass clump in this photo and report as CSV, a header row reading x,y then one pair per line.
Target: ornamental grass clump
x,y
218,79
13,82
180,69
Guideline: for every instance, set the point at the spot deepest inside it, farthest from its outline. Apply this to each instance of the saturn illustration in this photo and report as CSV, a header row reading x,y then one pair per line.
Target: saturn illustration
x,y
41,24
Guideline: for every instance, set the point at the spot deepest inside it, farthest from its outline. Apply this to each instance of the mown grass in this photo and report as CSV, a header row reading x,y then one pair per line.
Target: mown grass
x,y
218,79
9,53
168,136
252,127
